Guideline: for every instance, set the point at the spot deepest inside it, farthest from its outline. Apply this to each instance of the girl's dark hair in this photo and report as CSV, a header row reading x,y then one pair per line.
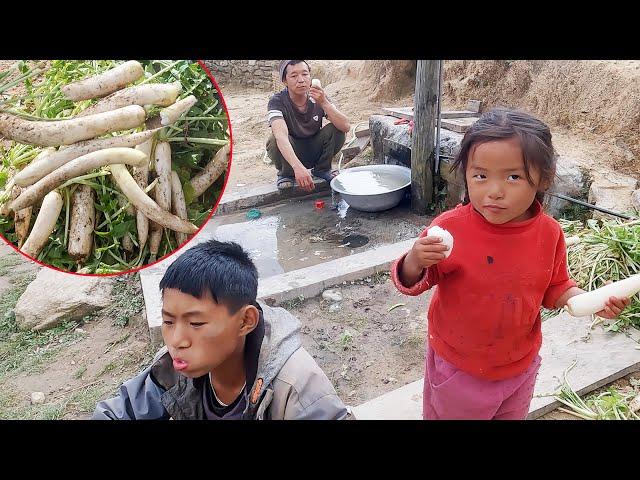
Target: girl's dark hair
x,y
504,124
223,269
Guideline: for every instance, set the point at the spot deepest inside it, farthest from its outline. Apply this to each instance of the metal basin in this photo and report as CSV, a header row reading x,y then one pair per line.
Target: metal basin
x,y
372,188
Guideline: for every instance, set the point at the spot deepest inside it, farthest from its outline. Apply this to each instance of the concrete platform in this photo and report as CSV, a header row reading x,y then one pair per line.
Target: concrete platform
x,y
259,195
601,358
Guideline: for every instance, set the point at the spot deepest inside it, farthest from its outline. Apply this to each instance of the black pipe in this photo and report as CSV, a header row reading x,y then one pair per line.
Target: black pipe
x,y
588,205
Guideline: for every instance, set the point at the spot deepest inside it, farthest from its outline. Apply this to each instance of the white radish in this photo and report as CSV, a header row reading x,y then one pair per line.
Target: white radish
x,y
141,176
211,172
162,192
127,243
55,159
163,94
21,218
573,240
447,238
65,132
104,83
178,204
592,302
170,114
146,205
83,216
74,168
44,224
315,83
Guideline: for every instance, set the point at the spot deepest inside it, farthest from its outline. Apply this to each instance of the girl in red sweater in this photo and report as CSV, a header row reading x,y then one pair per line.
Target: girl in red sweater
x,y
508,259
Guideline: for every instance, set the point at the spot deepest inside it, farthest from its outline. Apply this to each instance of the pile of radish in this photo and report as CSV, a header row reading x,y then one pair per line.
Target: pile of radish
x,y
108,166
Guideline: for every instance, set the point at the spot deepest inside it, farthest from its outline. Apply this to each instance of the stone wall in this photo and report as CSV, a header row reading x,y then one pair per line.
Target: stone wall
x,y
248,73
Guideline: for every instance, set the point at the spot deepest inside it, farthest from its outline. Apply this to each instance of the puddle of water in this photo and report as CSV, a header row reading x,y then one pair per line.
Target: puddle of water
x,y
355,240
259,239
295,234
367,182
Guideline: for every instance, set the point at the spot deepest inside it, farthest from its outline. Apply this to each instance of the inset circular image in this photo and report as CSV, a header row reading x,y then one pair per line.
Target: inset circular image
x,y
108,166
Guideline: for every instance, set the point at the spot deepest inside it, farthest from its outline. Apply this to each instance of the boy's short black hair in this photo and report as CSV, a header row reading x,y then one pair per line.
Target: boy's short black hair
x,y
223,269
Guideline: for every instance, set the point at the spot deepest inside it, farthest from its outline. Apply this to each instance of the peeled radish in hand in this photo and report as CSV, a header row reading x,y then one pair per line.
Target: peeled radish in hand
x,y
447,238
315,83
592,302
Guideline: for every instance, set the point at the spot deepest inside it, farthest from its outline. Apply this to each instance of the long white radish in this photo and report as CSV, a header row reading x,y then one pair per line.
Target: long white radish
x,y
83,216
573,240
127,244
591,302
145,204
162,192
178,204
21,219
104,83
72,130
44,224
211,172
141,176
447,238
170,114
74,168
163,94
56,158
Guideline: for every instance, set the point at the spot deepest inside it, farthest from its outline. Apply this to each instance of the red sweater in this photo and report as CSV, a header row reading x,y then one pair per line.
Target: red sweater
x,y
484,316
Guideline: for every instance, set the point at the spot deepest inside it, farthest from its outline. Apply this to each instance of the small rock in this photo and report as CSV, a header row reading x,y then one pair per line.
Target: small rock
x,y
332,295
368,279
369,363
393,379
67,388
634,405
79,330
335,327
352,393
37,398
73,362
385,380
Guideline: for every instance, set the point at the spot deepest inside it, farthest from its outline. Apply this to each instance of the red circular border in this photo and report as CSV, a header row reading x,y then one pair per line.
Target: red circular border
x,y
213,210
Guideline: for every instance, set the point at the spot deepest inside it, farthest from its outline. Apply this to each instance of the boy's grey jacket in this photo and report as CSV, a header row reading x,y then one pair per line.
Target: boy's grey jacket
x,y
286,383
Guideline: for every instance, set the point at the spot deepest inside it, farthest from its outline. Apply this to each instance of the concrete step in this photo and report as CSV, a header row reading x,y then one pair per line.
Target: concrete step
x,y
602,357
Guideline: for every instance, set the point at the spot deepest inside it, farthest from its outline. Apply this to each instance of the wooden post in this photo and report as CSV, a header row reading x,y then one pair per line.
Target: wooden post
x,y
423,145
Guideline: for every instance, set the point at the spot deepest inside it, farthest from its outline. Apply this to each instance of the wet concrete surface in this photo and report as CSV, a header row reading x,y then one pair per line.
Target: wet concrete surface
x,y
294,234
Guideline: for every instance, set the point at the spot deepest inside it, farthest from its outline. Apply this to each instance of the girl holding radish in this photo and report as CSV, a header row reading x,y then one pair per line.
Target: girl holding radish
x,y
500,259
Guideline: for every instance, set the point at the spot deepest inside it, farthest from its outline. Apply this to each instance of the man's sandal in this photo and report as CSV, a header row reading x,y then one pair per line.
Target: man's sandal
x,y
284,183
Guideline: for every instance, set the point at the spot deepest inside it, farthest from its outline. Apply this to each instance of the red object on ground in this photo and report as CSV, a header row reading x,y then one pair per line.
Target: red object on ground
x,y
319,204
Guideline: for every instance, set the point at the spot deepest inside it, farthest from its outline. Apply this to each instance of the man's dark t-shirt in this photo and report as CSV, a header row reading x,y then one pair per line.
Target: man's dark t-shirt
x,y
300,125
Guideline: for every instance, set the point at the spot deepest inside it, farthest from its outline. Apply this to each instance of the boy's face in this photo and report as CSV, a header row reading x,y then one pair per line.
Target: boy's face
x,y
497,182
200,333
297,78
